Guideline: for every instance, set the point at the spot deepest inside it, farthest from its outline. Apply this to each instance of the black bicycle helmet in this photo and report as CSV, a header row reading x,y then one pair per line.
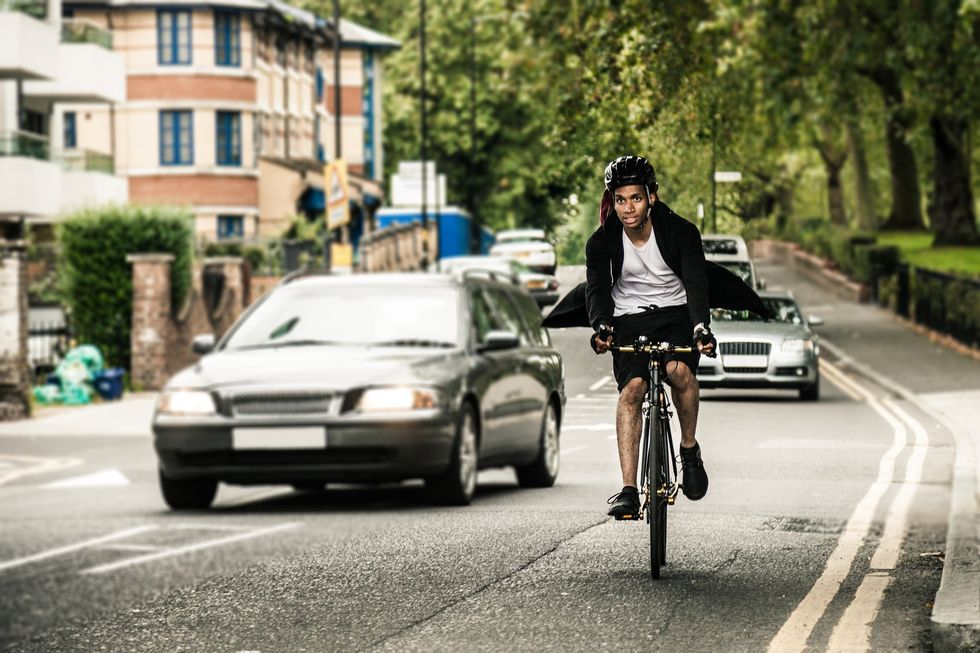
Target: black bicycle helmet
x,y
630,171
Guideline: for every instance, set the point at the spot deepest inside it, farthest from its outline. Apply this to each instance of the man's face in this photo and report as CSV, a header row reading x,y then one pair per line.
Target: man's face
x,y
631,205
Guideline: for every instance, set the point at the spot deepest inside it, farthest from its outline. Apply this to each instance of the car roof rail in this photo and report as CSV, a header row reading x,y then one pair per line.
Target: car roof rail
x,y
306,272
493,275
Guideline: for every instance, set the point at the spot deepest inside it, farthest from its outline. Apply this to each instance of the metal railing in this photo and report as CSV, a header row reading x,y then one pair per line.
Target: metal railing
x,y
87,161
21,143
74,30
36,8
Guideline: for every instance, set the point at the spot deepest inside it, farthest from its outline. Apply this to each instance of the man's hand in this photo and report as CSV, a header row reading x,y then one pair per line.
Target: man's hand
x,y
705,341
603,340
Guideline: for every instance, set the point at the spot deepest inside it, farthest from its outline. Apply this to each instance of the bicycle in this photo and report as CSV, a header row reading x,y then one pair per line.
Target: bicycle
x,y
656,442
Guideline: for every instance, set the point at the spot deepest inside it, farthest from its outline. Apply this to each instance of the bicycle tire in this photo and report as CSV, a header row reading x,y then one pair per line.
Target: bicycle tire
x,y
662,502
657,543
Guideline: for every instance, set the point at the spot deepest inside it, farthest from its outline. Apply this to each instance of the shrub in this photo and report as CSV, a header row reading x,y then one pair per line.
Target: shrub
x,y
97,281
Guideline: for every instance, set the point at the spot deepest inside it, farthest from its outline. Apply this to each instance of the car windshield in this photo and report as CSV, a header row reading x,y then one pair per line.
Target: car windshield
x,y
720,246
742,268
782,309
488,263
358,314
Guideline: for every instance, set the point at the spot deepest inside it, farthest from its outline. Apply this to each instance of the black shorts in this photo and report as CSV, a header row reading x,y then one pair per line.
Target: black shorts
x,y
672,324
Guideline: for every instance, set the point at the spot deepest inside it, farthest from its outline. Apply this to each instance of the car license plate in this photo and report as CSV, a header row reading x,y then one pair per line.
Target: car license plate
x,y
535,284
312,437
733,360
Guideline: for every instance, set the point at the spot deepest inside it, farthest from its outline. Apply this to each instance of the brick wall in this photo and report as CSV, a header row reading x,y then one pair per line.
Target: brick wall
x,y
14,374
195,189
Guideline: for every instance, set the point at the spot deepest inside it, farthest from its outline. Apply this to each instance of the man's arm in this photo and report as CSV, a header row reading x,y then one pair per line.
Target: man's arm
x,y
598,281
694,273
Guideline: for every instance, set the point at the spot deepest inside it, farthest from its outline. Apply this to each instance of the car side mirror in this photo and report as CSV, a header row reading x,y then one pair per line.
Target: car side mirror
x,y
499,341
761,283
203,344
815,321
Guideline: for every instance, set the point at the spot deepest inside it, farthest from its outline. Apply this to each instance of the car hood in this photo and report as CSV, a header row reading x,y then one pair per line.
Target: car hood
x,y
322,367
767,330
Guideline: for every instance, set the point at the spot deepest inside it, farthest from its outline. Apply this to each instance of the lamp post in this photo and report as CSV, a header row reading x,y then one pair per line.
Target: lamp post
x,y
337,148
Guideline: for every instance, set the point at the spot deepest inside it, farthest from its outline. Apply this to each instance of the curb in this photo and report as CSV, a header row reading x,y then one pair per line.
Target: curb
x,y
955,620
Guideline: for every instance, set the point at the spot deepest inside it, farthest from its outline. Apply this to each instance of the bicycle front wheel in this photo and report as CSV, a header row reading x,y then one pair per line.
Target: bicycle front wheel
x,y
662,477
657,509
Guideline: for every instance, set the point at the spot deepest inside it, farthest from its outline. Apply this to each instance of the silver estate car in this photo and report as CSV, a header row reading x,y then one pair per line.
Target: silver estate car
x,y
780,353
542,287
367,379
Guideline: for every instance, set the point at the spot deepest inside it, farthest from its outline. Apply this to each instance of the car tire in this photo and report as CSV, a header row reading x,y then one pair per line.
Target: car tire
x,y
811,392
189,493
458,485
543,472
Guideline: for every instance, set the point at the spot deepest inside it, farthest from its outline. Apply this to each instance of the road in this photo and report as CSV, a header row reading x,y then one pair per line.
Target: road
x,y
821,530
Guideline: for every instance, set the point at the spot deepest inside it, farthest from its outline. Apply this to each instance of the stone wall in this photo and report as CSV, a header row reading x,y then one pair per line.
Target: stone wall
x,y
161,335
14,373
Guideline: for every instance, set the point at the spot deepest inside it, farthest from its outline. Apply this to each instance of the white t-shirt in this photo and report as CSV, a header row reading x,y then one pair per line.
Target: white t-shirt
x,y
646,280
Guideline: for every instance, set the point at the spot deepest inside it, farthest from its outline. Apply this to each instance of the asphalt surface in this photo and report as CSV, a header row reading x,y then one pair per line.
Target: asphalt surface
x,y
91,560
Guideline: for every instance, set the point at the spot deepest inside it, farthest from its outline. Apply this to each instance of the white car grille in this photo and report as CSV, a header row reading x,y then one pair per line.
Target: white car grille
x,y
745,348
255,404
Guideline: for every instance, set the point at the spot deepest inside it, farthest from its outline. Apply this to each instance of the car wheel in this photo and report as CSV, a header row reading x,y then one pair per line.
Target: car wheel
x,y
811,392
189,493
544,470
458,485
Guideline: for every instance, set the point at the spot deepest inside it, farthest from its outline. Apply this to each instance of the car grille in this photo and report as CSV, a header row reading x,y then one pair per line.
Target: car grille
x,y
280,403
745,348
745,370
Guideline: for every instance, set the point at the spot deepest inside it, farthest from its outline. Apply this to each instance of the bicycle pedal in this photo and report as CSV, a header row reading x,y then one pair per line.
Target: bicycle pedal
x,y
635,517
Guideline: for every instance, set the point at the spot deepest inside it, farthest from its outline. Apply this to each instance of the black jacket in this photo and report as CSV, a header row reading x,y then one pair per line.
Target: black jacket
x,y
706,283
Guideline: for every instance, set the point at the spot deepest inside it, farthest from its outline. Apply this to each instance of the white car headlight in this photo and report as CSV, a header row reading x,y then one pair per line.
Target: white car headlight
x,y
797,344
186,402
381,400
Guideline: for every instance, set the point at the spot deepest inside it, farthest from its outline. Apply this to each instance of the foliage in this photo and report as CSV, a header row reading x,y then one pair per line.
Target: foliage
x,y
97,280
254,254
916,249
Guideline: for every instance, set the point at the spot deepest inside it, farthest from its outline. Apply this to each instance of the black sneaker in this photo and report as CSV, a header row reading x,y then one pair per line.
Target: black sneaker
x,y
626,504
695,478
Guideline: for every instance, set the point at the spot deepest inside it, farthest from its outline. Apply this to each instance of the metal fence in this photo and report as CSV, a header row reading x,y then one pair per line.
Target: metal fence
x,y
943,302
47,343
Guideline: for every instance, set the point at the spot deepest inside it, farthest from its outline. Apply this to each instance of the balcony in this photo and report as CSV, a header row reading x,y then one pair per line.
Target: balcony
x,y
29,47
87,68
40,184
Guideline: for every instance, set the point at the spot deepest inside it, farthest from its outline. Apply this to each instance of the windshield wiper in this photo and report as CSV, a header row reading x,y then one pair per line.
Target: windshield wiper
x,y
291,343
414,342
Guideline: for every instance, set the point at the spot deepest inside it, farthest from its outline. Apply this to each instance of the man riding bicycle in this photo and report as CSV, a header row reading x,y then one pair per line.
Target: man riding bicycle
x,y
645,275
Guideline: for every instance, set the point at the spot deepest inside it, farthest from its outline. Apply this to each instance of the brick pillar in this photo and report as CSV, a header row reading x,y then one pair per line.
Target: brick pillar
x,y
15,384
233,270
152,326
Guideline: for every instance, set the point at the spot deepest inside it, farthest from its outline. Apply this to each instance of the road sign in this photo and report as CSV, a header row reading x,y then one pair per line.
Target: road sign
x,y
722,176
338,198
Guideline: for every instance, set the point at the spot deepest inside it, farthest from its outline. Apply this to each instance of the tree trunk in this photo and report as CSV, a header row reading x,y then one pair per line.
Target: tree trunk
x,y
951,212
834,158
906,209
867,220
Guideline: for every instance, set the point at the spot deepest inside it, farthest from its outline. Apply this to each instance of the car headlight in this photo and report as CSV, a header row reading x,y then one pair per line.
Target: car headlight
x,y
382,400
797,344
186,402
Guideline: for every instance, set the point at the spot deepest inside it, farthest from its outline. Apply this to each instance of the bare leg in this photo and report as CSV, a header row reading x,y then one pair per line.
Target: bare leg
x,y
629,427
684,391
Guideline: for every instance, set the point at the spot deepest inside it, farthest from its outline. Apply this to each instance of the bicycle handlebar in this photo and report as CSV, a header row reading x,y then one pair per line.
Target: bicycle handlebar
x,y
652,348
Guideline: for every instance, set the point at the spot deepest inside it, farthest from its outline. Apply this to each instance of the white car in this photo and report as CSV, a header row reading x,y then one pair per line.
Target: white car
x,y
543,287
527,246
731,251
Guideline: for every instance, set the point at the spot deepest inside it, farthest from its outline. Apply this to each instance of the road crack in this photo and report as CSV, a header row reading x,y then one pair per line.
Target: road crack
x,y
483,587
725,564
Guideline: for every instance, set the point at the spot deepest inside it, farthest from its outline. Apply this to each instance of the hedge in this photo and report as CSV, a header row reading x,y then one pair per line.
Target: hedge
x,y
96,280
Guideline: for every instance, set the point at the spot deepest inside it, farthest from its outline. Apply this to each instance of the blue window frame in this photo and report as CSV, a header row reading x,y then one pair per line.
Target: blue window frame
x,y
228,136
368,111
319,84
176,138
173,37
227,38
71,136
231,226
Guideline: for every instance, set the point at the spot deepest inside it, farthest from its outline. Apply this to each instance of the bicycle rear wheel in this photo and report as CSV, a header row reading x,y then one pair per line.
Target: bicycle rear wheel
x,y
656,511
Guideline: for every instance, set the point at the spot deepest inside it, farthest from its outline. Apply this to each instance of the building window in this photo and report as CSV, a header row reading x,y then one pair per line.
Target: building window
x,y
34,122
173,37
368,112
176,138
71,136
231,226
319,84
228,136
227,38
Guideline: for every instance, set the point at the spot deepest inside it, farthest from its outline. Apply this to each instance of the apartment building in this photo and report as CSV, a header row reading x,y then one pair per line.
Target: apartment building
x,y
229,110
48,62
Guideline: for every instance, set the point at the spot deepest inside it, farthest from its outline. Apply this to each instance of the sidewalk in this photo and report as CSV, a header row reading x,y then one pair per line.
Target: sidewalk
x,y
129,416
943,383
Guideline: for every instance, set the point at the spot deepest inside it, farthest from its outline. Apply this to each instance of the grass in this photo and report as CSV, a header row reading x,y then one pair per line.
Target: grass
x,y
916,248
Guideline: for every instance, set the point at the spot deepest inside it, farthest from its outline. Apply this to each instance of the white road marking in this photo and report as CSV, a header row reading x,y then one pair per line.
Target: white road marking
x,y
61,550
590,427
573,450
121,546
579,396
39,466
105,478
814,443
853,631
794,633
190,548
839,379
601,382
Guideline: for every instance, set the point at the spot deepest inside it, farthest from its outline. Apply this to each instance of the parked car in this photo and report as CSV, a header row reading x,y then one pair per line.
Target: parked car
x,y
782,352
528,246
367,378
542,287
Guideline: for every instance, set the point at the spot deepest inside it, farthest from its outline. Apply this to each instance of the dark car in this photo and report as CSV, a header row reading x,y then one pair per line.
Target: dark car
x,y
365,379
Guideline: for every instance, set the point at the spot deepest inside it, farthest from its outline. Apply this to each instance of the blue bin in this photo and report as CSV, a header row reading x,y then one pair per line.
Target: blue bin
x,y
109,383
